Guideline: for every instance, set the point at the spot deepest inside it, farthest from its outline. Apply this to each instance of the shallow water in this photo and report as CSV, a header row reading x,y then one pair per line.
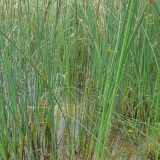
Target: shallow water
x,y
120,146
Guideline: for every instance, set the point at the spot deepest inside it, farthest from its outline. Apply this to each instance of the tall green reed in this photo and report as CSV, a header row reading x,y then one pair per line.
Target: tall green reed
x,y
84,63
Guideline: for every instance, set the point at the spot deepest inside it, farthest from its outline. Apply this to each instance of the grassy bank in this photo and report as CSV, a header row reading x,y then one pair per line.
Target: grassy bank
x,y
79,79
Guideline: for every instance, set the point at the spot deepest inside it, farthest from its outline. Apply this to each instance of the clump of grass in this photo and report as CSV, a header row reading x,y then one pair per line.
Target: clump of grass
x,y
77,77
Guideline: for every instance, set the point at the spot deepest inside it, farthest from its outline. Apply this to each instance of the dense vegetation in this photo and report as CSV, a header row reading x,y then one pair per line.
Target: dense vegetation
x,y
79,79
